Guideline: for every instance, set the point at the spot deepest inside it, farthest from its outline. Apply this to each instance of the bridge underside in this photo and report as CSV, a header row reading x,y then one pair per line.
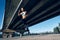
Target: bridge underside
x,y
37,10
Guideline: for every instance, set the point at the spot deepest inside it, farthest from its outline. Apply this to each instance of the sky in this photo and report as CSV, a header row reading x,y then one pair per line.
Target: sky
x,y
46,26
2,8
38,28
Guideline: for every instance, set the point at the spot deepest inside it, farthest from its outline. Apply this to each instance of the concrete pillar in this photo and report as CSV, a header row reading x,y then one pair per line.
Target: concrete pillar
x,y
10,35
20,35
4,35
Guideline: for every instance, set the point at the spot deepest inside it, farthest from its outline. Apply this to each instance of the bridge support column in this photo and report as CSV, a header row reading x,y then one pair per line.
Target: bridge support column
x,y
20,35
4,35
10,35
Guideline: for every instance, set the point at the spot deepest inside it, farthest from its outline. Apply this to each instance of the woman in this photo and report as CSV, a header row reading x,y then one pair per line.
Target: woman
x,y
23,14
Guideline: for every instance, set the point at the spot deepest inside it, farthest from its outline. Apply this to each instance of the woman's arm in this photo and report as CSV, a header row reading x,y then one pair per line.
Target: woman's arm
x,y
19,13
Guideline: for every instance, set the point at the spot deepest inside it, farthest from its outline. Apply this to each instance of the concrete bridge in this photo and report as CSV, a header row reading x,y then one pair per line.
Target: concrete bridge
x,y
37,10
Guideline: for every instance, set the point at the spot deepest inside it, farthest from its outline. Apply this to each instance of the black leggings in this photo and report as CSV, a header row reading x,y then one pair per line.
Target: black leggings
x,y
24,21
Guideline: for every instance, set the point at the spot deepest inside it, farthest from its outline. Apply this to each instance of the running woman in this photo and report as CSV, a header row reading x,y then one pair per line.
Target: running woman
x,y
23,14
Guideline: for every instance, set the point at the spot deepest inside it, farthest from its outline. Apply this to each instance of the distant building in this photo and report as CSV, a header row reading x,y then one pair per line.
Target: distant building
x,y
57,29
59,26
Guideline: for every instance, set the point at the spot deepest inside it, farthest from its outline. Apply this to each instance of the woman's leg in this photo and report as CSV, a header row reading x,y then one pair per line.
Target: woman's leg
x,y
24,21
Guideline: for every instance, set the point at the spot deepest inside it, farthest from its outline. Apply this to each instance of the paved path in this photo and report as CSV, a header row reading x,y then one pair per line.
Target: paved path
x,y
37,37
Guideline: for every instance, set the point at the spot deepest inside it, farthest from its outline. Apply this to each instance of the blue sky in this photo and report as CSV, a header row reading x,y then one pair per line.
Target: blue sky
x,y
46,26
40,27
2,8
